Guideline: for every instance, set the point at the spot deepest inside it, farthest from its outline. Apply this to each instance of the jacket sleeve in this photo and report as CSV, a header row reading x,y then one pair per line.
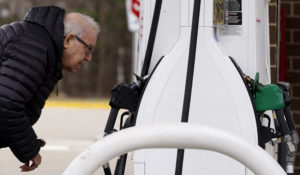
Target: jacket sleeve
x,y
21,72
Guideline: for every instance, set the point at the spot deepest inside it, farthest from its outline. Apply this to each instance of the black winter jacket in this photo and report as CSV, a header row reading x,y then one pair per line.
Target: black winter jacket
x,y
30,66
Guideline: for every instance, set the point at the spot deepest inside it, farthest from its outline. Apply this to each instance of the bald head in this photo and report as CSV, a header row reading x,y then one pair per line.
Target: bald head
x,y
79,24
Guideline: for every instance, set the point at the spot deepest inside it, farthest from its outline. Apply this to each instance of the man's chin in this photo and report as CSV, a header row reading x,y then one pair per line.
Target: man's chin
x,y
71,70
74,70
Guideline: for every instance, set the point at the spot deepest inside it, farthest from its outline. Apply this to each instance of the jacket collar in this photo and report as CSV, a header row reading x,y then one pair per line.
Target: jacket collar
x,y
50,18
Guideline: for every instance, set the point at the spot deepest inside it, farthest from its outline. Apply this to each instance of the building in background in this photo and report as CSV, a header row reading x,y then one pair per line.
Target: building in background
x,y
292,47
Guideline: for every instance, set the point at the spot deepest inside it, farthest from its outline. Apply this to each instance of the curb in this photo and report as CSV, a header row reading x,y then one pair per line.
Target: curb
x,y
78,104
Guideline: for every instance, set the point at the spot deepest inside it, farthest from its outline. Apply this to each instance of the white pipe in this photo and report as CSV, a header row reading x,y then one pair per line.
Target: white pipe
x,y
180,135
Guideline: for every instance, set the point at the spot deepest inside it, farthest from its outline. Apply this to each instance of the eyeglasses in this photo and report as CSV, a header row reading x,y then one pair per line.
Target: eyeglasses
x,y
90,48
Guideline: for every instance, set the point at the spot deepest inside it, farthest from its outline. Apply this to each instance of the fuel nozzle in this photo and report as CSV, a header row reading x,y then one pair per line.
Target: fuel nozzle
x,y
292,149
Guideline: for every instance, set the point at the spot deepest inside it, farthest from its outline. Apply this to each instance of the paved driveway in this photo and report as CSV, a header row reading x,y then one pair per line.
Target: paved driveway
x,y
67,131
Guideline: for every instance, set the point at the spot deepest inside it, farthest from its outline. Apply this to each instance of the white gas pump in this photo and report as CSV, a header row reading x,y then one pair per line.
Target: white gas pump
x,y
237,29
243,36
193,58
218,91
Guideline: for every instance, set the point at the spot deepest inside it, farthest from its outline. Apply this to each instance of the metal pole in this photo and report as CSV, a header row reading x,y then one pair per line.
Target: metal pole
x,y
278,42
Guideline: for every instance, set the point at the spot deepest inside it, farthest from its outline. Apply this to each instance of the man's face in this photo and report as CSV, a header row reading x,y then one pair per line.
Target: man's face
x,y
77,50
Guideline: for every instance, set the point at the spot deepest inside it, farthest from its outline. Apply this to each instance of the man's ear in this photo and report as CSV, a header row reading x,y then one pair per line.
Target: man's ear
x,y
67,40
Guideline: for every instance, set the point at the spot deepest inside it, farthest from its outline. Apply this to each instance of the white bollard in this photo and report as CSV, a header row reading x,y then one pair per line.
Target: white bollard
x,y
180,135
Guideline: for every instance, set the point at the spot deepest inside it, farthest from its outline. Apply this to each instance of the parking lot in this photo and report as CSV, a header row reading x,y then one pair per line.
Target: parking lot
x,y
67,131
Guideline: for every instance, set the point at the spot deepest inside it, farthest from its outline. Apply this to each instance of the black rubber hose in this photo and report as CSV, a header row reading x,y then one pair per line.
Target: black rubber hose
x,y
189,79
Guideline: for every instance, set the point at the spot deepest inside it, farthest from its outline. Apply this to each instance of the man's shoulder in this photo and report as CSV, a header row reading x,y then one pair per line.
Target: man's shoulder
x,y
9,31
23,32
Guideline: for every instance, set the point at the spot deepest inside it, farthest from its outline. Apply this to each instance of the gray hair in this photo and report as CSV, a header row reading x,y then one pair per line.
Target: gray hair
x,y
76,27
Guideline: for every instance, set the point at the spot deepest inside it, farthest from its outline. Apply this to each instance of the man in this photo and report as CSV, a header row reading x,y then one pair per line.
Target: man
x,y
33,53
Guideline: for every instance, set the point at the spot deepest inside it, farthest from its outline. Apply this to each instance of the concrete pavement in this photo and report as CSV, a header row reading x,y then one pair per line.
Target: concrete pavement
x,y
67,131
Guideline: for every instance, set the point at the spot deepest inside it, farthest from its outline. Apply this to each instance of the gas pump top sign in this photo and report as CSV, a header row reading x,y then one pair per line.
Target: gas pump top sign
x,y
133,12
233,14
228,17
